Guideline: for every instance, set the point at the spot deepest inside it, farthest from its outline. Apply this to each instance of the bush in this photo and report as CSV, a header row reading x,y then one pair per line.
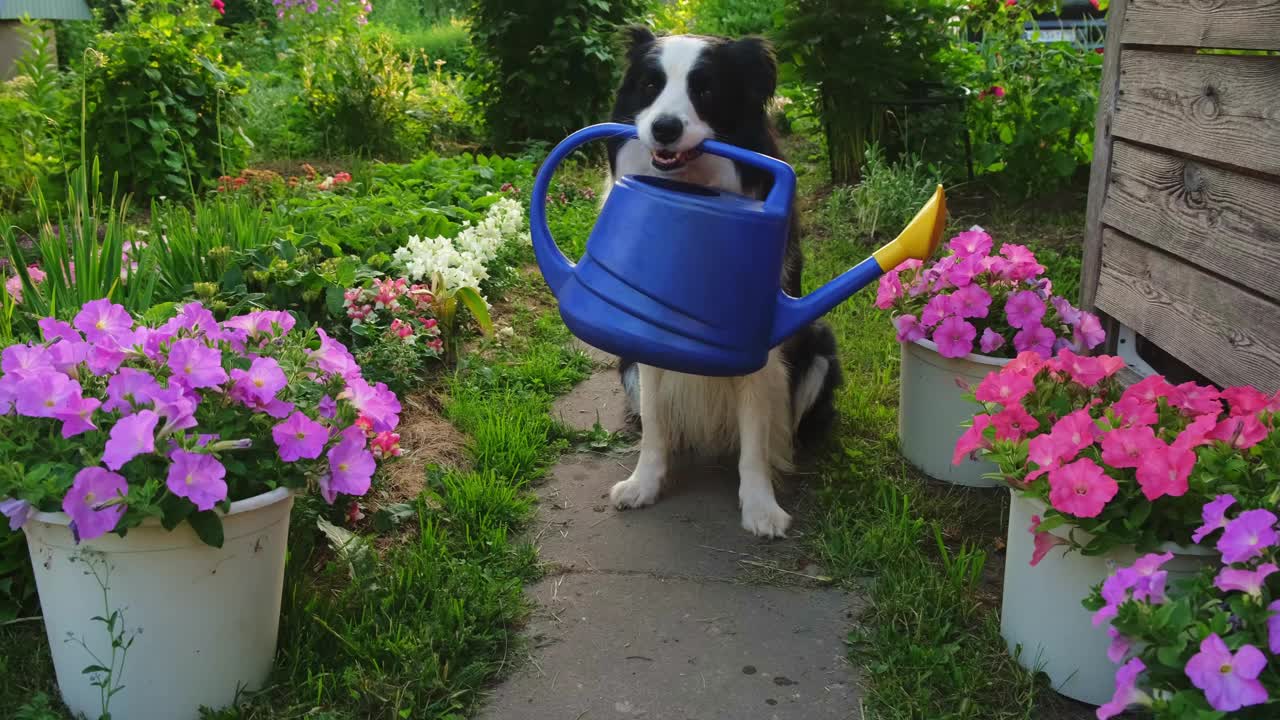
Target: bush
x,y
888,197
426,47
357,89
32,110
544,71
735,18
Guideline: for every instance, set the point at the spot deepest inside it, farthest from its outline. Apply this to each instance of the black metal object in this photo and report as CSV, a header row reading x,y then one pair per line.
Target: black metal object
x,y
932,95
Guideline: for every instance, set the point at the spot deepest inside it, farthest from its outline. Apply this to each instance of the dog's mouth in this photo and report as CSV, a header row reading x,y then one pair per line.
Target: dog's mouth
x,y
668,161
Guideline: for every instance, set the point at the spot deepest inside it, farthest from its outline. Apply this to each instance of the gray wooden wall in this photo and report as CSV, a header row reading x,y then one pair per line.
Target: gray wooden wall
x,y
1183,237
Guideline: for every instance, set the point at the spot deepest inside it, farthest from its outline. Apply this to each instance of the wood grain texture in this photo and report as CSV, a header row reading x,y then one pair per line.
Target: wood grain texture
x,y
1218,219
1099,171
1236,24
1226,333
1216,107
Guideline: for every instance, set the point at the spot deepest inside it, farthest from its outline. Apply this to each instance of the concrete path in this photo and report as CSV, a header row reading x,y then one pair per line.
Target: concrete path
x,y
670,612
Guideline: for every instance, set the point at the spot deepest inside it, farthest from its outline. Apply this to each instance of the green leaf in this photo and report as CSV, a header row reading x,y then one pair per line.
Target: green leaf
x,y
94,669
208,526
471,298
159,313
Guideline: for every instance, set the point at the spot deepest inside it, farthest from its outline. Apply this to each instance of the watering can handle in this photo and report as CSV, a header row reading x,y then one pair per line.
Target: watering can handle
x,y
553,263
778,201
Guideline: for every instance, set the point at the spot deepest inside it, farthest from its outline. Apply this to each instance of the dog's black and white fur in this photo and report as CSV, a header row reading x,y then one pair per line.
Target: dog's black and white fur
x,y
678,91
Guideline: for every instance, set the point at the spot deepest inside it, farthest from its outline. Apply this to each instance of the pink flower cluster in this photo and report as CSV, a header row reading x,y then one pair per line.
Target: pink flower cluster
x,y
14,284
409,308
130,393
972,300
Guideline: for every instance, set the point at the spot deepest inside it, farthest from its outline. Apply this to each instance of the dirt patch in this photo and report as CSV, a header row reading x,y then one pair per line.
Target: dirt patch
x,y
426,438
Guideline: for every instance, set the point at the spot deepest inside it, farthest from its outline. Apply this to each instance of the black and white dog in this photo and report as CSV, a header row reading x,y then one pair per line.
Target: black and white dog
x,y
678,91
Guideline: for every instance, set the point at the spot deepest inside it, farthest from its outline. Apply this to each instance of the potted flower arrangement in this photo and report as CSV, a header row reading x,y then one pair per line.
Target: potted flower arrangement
x,y
959,317
1207,645
1100,473
153,470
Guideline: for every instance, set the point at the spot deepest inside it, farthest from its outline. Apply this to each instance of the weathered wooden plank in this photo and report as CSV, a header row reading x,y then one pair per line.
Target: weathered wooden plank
x,y
1230,335
1218,107
1099,172
1235,24
1220,220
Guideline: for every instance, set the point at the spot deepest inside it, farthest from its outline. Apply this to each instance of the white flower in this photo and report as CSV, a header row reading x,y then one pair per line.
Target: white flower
x,y
463,261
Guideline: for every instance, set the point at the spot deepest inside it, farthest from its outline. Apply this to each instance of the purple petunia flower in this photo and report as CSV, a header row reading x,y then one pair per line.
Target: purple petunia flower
x,y
102,320
43,394
132,436
333,357
1229,682
1066,313
376,403
92,488
53,329
25,358
196,365
1036,338
991,341
1273,627
1247,536
197,477
328,407
1024,309
351,466
1127,692
176,407
300,437
77,416
909,328
1119,646
261,381
128,389
1245,581
1214,514
195,317
17,511
66,355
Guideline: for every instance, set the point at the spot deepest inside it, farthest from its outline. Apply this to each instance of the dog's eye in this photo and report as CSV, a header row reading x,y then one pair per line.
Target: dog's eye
x,y
651,87
706,94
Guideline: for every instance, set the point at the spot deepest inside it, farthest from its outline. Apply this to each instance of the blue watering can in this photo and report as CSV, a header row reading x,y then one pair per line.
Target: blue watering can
x,y
687,278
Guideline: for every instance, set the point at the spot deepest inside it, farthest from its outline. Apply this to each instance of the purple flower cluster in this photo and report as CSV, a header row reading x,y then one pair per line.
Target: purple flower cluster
x,y
129,393
951,302
291,9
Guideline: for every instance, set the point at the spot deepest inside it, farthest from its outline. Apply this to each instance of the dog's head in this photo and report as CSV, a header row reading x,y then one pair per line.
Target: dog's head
x,y
682,89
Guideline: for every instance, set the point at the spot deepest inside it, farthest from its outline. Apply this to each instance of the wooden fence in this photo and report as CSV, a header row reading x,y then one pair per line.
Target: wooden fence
x,y
1183,238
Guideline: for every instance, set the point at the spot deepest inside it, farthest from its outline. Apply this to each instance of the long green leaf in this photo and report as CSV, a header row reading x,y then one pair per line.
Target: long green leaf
x,y
479,310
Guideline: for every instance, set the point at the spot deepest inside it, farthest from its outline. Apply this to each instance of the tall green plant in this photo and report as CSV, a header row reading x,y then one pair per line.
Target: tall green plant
x,y
200,244
33,107
545,68
857,54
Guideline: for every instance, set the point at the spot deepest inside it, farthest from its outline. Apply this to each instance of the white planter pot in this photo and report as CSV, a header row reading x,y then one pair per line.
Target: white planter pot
x,y
931,408
206,618
1041,618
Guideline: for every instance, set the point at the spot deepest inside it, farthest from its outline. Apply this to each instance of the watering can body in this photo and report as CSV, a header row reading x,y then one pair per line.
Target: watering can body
x,y
684,277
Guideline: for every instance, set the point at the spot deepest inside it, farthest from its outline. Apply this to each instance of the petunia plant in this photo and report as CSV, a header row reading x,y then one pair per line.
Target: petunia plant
x,y
1208,645
114,421
975,300
1126,466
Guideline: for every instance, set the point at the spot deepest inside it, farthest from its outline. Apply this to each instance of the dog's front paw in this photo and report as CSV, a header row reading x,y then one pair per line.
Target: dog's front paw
x,y
636,491
765,519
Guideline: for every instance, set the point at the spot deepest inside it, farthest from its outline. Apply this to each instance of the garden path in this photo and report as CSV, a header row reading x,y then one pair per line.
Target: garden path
x,y
672,611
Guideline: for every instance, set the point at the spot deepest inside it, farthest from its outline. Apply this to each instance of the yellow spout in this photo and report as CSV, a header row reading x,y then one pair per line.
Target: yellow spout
x,y
920,238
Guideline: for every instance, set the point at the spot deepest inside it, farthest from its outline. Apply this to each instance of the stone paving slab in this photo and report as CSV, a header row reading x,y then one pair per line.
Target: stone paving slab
x,y
637,646
599,398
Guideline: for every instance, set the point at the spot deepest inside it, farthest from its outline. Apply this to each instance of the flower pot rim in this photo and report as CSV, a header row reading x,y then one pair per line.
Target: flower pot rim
x,y
1062,530
971,357
257,502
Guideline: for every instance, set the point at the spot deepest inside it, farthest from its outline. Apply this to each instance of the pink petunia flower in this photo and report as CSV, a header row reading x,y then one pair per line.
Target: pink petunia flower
x,y
1127,693
1229,681
935,310
1014,422
385,445
1249,582
1047,452
1081,488
909,328
92,488
1003,388
333,357
1195,399
1089,332
1043,541
1240,432
197,477
1247,536
1024,309
1134,411
889,290
1149,389
1037,338
1075,431
1214,514
1126,447
954,337
1245,400
1089,371
377,403
1196,433
963,272
970,301
971,242
1164,470
972,439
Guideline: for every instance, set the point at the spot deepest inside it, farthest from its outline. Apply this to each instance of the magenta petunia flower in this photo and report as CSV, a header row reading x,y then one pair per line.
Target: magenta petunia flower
x,y
351,466
1247,536
132,436
129,389
1089,332
1014,422
77,416
43,394
103,320
1047,452
1164,470
1081,488
92,488
376,403
1133,411
888,290
1037,339
196,317
1245,400
1126,447
196,365
962,273
934,310
261,381
1149,389
263,322
970,301
1043,541
954,337
1196,433
1003,388
1127,693
1214,514
197,477
971,440
1229,682
1273,627
1240,431
909,328
300,437
991,341
971,242
25,358
1066,313
1245,581
17,511
1076,431
333,357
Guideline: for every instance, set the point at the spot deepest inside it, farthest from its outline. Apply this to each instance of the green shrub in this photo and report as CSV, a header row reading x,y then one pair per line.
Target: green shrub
x,y
735,18
545,69
33,108
886,200
161,108
356,89
426,46
441,112
279,127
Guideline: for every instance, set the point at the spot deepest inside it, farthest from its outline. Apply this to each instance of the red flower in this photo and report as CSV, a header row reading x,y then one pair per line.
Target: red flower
x,y
220,6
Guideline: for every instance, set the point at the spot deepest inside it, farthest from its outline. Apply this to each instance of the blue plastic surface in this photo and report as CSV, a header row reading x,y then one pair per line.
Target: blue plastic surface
x,y
683,277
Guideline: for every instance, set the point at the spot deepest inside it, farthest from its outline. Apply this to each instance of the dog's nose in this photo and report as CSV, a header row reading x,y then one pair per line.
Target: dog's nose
x,y
667,129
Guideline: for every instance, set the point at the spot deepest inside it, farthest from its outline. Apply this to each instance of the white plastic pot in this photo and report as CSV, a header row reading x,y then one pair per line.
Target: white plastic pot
x,y
203,619
931,408
1041,618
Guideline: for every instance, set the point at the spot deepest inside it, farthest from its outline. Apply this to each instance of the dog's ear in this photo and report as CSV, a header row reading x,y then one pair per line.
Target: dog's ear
x,y
754,60
637,39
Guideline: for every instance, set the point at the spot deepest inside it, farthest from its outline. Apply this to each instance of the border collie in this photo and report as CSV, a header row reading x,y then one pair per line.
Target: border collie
x,y
678,91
